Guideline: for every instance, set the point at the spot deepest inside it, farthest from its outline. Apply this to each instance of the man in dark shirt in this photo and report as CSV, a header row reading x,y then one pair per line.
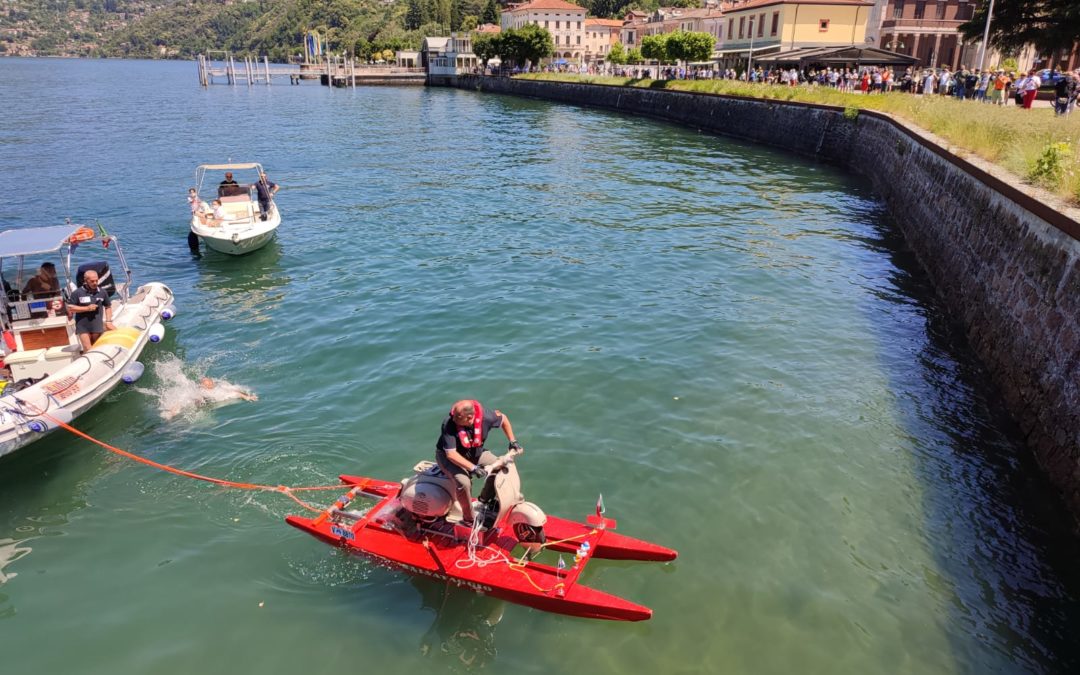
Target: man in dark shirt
x,y
1064,93
228,187
460,449
266,191
92,310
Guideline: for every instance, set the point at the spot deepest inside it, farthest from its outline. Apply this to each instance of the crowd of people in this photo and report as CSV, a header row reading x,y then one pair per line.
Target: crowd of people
x,y
994,86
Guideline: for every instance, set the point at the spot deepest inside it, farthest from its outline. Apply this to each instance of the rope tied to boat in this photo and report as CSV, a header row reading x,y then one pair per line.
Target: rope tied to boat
x,y
521,566
286,490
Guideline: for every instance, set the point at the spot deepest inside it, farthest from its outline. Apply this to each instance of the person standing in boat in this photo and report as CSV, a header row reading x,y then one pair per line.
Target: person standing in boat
x,y
228,187
92,310
266,191
460,451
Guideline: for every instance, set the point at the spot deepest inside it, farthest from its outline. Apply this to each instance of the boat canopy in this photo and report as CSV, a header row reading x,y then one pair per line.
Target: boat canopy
x,y
223,167
33,240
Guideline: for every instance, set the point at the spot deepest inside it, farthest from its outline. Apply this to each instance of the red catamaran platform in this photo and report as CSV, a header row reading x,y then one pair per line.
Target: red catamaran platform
x,y
441,551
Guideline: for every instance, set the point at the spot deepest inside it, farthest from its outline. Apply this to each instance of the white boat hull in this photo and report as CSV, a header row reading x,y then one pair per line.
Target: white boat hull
x,y
80,384
238,237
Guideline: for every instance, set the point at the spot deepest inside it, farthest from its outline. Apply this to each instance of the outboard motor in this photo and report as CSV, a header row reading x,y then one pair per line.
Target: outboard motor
x,y
105,278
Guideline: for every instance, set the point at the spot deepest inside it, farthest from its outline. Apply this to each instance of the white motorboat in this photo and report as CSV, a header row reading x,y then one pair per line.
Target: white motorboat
x,y
244,227
47,376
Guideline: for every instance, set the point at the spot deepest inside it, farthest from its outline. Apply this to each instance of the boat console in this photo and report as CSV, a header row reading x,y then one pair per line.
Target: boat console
x,y
44,338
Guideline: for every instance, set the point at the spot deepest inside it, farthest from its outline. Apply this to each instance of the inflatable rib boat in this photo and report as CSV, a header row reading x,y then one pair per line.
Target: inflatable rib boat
x,y
46,375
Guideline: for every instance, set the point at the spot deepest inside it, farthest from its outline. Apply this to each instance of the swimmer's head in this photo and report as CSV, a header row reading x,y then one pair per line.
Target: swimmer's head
x,y
206,383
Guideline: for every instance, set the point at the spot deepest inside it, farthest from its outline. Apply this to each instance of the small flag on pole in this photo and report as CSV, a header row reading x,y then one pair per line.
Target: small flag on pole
x,y
600,506
105,241
562,565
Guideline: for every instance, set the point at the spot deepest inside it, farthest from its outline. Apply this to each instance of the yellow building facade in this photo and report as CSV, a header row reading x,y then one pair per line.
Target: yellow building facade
x,y
780,25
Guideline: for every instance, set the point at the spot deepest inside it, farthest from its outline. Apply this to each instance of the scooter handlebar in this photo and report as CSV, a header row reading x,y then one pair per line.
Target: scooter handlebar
x,y
501,462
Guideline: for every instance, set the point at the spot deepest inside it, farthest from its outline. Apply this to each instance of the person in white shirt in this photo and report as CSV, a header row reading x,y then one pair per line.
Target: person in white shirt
x,y
1030,87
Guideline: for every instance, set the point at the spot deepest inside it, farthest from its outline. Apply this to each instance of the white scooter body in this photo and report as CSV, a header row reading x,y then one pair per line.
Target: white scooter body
x,y
429,495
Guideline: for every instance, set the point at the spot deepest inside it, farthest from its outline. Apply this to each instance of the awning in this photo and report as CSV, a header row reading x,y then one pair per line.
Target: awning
x,y
844,55
33,240
744,50
223,167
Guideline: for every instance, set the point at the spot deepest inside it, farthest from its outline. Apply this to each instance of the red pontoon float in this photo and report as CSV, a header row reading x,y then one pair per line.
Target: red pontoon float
x,y
414,526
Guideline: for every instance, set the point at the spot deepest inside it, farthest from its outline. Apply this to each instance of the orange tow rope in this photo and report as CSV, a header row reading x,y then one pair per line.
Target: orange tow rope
x,y
283,489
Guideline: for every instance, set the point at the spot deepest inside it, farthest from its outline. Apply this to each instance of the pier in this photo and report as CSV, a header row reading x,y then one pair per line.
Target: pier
x,y
224,68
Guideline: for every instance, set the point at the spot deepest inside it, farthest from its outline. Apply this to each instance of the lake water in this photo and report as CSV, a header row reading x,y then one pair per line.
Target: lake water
x,y
732,344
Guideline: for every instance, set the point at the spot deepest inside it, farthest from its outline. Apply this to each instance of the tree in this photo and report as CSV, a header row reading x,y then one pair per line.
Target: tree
x,y
617,55
469,23
491,13
654,47
456,15
443,15
414,15
689,46
605,8
486,46
1050,25
528,43
634,56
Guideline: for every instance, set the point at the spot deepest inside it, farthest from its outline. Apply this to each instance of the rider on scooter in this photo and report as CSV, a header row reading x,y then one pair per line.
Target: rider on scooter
x,y
460,449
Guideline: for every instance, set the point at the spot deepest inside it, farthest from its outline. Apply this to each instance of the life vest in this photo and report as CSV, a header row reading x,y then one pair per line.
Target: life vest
x,y
476,439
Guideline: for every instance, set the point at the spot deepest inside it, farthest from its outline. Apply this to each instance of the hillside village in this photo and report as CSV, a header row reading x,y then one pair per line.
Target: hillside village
x,y
582,34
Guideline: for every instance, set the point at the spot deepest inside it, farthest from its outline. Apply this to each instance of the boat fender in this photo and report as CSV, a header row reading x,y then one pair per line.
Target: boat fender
x,y
157,331
132,372
168,312
43,424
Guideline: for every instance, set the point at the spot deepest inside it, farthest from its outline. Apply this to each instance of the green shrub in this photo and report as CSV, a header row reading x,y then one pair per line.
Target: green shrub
x,y
1049,168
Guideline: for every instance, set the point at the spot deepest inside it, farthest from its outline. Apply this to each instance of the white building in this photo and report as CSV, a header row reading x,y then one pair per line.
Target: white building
x,y
450,56
564,20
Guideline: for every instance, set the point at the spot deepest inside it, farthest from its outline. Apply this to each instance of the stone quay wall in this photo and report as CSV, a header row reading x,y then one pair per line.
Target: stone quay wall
x,y
1005,264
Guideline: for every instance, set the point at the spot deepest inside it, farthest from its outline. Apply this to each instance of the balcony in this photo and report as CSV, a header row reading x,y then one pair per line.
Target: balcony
x,y
921,25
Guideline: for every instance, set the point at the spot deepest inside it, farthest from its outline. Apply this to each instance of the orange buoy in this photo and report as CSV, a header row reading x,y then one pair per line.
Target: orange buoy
x,y
81,234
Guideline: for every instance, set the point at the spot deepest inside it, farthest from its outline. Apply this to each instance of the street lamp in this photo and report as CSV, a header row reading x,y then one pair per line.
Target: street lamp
x,y
750,58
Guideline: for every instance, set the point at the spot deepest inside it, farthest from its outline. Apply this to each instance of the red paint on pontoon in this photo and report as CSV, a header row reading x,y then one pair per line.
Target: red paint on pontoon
x,y
533,584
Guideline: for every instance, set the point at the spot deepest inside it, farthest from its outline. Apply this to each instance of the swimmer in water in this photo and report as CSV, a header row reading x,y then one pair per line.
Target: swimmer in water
x,y
209,391
232,390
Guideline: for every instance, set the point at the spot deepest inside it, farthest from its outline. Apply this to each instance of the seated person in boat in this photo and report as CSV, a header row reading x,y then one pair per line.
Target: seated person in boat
x,y
229,187
92,310
199,208
460,451
218,215
44,283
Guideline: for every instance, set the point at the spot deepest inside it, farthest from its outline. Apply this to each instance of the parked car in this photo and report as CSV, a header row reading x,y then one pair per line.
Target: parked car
x,y
1050,77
